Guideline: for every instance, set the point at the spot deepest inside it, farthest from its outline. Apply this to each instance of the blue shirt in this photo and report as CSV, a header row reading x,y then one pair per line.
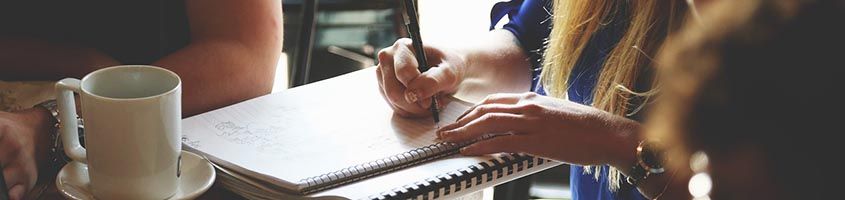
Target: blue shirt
x,y
531,24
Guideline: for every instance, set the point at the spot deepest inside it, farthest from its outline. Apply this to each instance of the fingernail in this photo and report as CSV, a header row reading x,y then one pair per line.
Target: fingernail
x,y
464,114
441,134
464,150
442,129
411,96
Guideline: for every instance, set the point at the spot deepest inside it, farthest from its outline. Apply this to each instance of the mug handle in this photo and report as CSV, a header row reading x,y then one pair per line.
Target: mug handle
x,y
67,118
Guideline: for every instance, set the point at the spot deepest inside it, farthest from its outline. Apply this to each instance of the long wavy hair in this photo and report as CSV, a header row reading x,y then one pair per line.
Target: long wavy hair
x,y
647,23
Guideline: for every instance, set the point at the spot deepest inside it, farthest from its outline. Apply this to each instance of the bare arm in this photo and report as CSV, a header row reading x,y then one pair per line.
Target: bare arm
x,y
234,49
495,67
23,58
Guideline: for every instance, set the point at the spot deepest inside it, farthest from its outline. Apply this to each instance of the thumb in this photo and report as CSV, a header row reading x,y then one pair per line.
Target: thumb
x,y
17,192
435,80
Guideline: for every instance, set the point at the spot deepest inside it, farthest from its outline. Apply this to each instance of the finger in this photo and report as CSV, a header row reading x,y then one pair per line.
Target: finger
x,y
17,192
405,62
384,62
504,143
8,149
498,98
20,175
380,82
13,176
433,55
481,110
397,110
489,123
386,55
394,91
435,80
381,86
407,73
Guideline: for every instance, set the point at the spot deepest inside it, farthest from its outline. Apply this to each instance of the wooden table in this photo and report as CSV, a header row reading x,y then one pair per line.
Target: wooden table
x,y
51,192
216,192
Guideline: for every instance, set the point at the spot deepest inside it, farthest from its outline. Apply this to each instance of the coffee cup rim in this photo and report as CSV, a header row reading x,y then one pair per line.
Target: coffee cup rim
x,y
118,67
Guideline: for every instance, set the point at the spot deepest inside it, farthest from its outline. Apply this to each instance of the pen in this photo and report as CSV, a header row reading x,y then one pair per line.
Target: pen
x,y
4,193
413,26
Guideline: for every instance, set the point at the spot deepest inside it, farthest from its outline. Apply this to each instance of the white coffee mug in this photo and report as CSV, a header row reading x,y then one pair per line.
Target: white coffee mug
x,y
133,127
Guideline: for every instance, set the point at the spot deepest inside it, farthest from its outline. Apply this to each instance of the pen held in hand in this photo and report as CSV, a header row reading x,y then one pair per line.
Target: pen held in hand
x,y
413,26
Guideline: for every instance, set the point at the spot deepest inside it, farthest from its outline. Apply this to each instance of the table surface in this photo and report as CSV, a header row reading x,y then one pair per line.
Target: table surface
x,y
218,192
213,193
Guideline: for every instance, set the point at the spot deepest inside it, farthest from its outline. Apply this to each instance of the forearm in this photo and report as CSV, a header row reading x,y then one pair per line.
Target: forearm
x,y
23,58
234,49
219,72
495,64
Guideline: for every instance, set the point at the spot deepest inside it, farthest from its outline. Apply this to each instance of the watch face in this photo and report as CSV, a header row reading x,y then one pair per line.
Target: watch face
x,y
652,155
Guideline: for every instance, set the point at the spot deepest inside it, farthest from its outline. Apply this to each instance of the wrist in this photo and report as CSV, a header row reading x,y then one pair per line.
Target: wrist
x,y
38,119
623,152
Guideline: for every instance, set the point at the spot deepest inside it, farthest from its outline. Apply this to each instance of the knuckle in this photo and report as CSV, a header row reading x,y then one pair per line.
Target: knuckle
x,y
403,42
448,75
484,108
492,97
383,54
13,146
531,108
489,117
528,95
406,73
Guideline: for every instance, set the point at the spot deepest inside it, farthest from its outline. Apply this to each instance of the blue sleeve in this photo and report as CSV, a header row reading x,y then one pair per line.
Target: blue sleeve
x,y
530,21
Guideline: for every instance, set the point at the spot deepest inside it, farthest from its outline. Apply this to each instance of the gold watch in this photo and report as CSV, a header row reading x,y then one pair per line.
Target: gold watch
x,y
650,160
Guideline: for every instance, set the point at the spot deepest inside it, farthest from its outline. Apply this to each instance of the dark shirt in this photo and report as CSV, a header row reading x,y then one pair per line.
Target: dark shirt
x,y
530,23
132,32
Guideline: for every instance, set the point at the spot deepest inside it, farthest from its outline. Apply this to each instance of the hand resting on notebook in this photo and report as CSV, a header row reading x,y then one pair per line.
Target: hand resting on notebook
x,y
548,127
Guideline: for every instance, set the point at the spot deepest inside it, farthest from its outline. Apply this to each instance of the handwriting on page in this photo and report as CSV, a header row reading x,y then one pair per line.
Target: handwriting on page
x,y
309,131
421,132
258,137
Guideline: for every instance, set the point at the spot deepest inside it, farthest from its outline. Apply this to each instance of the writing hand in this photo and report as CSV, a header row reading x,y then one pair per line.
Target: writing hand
x,y
407,90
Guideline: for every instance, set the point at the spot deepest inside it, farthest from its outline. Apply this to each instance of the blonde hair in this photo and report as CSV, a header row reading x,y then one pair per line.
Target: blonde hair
x,y
647,24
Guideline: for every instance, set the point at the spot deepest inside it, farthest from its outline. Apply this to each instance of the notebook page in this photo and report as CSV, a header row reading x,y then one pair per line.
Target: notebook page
x,y
311,130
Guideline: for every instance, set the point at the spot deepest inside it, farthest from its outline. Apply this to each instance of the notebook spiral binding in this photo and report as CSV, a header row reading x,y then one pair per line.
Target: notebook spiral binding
x,y
465,178
378,167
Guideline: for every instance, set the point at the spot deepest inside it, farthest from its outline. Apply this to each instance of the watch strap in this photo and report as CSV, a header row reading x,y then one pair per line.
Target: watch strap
x,y
57,154
637,175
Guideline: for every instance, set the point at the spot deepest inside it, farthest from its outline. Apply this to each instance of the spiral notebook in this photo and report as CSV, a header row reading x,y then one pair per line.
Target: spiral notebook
x,y
337,132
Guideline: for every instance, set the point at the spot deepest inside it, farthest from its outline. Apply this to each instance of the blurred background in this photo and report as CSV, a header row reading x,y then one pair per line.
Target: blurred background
x,y
345,35
326,38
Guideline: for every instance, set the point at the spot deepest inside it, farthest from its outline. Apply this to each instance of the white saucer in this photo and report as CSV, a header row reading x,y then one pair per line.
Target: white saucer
x,y
197,176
